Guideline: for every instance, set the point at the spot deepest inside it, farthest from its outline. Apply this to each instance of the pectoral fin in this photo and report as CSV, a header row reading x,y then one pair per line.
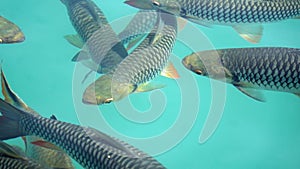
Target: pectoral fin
x,y
146,87
170,71
253,93
297,94
46,144
298,17
251,33
133,42
75,40
80,56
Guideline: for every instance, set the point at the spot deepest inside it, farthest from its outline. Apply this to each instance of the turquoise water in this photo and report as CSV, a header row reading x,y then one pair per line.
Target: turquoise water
x,y
250,134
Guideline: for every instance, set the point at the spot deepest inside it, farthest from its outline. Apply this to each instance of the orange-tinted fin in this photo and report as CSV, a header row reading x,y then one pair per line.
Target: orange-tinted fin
x,y
181,23
251,33
46,144
170,71
9,95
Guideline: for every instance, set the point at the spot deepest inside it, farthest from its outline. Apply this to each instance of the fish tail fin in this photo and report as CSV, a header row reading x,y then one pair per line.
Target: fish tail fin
x,y
9,121
11,151
9,95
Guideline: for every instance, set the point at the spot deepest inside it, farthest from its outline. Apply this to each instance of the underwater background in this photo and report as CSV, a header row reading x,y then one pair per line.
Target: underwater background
x,y
166,123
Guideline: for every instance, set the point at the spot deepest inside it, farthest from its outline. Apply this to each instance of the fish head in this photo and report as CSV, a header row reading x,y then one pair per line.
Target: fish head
x,y
170,6
141,4
98,92
14,38
206,63
105,90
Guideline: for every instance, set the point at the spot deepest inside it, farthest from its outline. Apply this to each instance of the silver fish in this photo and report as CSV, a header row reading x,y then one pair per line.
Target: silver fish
x,y
141,66
244,15
45,157
248,69
89,147
9,32
13,158
102,49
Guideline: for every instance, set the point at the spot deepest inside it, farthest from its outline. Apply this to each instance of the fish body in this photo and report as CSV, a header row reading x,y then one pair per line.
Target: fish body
x,y
89,147
245,16
141,66
9,32
232,11
46,157
102,48
13,158
267,68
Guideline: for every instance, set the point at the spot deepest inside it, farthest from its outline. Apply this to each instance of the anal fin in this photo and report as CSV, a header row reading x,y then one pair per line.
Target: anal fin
x,y
253,93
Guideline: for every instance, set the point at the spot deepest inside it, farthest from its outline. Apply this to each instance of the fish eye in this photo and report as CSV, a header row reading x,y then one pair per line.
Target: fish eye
x,y
155,3
198,72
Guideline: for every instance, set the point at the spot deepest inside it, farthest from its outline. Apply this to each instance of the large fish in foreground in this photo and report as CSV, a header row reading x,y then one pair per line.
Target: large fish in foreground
x,y
9,32
89,147
244,15
13,158
248,69
46,157
141,66
101,47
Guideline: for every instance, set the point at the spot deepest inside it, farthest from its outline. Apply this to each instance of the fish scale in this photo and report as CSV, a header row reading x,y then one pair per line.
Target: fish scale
x,y
269,68
9,163
155,56
93,28
225,11
79,143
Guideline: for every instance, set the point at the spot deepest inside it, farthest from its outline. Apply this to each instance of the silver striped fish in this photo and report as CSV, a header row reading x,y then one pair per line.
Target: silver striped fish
x,y
9,32
45,157
89,147
248,69
244,15
102,49
141,66
13,158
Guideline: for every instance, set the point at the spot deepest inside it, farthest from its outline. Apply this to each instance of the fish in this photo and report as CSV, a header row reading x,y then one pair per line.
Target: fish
x,y
13,158
10,32
245,16
89,147
140,25
46,157
250,70
101,49
134,73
